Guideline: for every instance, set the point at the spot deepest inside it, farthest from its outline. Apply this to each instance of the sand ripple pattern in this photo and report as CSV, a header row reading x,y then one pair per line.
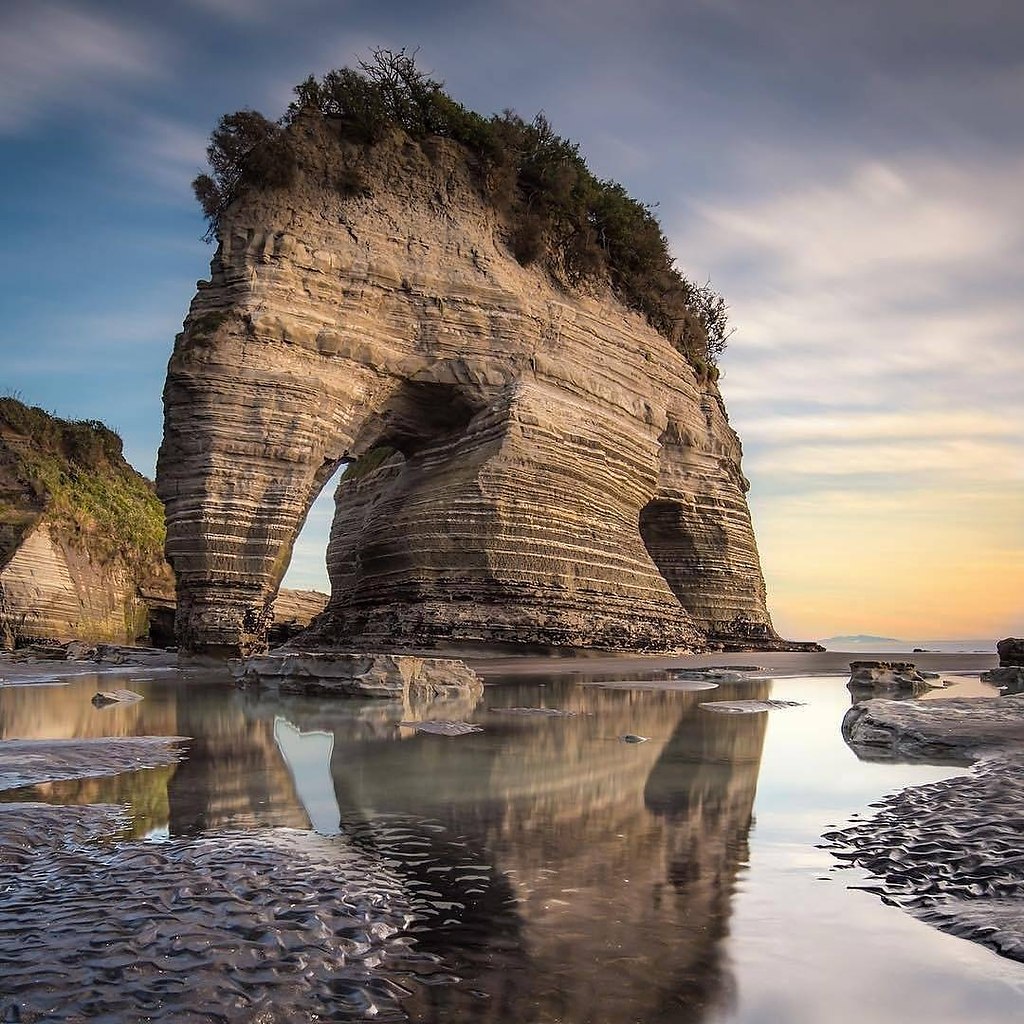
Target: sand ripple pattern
x,y
951,853
270,925
28,762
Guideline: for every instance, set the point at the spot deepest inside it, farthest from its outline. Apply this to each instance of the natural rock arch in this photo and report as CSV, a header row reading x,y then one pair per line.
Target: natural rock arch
x,y
530,426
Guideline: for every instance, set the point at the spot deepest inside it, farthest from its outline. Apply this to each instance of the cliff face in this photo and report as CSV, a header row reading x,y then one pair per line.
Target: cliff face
x,y
80,532
532,465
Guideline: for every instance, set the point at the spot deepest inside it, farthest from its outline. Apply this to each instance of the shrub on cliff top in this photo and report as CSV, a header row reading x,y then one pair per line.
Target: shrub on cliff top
x,y
582,228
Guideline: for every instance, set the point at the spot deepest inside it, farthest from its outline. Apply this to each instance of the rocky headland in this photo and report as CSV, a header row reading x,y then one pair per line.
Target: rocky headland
x,y
81,532
539,457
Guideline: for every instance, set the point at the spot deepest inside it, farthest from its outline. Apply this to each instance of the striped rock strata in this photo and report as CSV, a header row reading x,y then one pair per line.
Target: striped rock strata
x,y
533,466
80,532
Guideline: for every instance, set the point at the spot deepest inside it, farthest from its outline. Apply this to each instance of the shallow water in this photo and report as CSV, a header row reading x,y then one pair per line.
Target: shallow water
x,y
540,870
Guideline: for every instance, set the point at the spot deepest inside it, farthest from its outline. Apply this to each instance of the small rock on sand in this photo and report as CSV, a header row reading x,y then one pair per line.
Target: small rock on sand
x,y
443,727
105,698
748,707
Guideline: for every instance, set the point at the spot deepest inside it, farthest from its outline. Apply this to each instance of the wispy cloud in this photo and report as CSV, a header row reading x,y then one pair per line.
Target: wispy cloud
x,y
57,55
166,152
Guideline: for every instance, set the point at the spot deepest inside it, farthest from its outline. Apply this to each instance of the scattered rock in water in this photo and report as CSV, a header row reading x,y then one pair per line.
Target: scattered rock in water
x,y
632,737
390,676
105,698
715,676
735,668
1010,679
888,677
950,853
443,727
681,685
748,707
546,712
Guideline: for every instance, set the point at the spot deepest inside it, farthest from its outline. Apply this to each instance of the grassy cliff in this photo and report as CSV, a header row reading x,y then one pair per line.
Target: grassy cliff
x,y
74,472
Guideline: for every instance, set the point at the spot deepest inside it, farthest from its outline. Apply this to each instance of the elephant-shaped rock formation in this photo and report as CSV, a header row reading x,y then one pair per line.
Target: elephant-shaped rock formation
x,y
529,464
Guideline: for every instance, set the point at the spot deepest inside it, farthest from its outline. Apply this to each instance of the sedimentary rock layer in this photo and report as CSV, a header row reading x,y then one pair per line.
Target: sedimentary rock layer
x,y
536,465
80,532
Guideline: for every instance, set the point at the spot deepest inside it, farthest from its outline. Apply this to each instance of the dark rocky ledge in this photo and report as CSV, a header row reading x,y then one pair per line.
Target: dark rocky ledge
x,y
954,731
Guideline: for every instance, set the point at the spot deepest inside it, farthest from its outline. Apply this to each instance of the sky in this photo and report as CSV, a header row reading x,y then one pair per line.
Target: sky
x,y
848,174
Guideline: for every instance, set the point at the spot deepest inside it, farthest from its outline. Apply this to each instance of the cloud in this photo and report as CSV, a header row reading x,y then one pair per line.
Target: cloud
x,y
860,425
168,153
881,216
894,284
956,459
54,54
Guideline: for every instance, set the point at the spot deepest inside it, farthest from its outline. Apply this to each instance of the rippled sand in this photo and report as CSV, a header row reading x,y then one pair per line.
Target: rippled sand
x,y
27,762
951,853
267,925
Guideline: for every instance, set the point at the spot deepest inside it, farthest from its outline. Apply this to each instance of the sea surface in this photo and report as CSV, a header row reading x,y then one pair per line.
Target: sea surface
x,y
539,870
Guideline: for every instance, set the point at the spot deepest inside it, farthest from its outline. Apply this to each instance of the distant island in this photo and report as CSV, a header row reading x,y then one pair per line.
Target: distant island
x,y
861,638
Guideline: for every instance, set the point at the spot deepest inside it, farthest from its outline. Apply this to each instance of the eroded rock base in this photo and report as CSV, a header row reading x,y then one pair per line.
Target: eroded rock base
x,y
950,853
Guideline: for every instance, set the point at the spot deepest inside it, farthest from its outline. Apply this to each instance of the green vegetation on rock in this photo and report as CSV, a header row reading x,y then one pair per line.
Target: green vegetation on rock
x,y
557,213
75,473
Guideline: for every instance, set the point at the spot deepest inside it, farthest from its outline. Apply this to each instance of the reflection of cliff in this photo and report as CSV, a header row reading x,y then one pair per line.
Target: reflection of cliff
x,y
629,901
621,858
562,873
235,775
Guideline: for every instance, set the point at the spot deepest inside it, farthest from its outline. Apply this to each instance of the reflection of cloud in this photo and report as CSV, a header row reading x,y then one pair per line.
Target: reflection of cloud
x,y
51,53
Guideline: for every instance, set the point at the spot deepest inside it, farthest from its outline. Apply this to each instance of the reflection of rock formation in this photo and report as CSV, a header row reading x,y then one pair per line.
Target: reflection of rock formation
x,y
621,858
564,873
235,775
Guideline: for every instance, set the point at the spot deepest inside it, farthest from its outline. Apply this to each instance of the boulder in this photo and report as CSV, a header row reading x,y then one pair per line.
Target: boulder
x,y
1011,651
956,731
899,677
1010,678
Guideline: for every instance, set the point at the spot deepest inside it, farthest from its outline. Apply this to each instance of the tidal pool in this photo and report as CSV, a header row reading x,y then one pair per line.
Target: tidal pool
x,y
313,860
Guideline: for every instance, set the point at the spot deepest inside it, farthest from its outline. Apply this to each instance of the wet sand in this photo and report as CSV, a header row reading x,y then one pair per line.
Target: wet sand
x,y
950,853
774,663
29,762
